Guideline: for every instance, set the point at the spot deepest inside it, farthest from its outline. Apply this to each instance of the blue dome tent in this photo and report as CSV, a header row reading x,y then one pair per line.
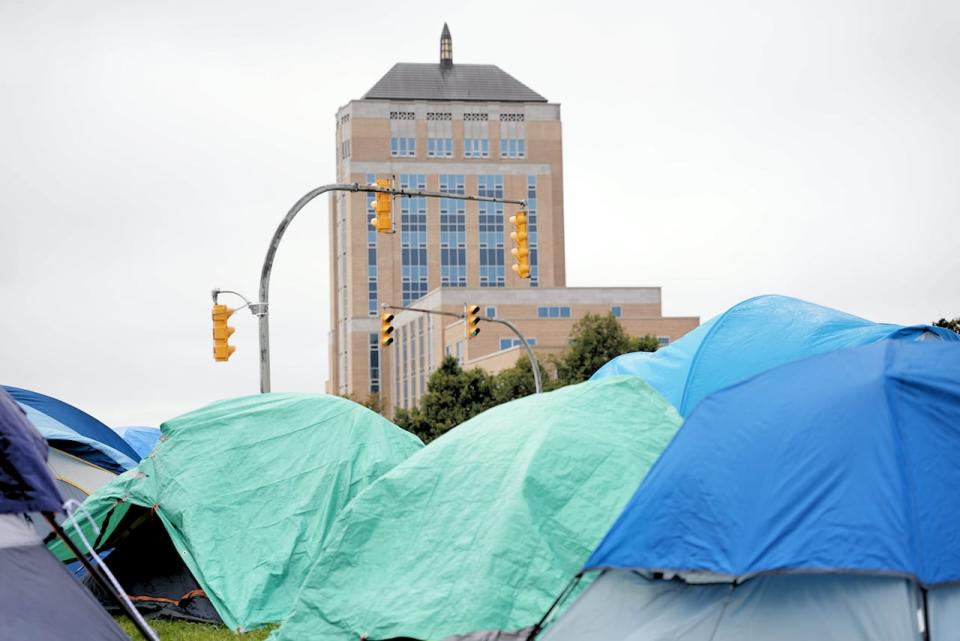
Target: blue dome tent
x,y
74,431
815,501
752,337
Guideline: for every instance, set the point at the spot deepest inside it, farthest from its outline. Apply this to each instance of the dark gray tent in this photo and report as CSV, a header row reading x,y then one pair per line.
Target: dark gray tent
x,y
39,599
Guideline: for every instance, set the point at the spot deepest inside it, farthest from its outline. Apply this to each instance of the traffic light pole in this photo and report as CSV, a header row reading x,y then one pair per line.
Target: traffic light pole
x,y
534,364
261,308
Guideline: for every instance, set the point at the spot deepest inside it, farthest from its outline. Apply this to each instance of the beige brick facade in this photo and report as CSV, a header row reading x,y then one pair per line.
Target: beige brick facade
x,y
368,270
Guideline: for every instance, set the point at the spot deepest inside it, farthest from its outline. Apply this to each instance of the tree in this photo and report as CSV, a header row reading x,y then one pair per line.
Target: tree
x,y
595,340
949,324
453,396
372,402
517,381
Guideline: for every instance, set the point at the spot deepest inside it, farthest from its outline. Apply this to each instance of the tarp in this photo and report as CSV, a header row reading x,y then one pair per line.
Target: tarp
x,y
76,432
752,337
248,489
847,461
483,528
623,606
25,481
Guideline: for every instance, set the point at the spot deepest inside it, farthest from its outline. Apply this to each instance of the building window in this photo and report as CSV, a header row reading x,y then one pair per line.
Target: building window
x,y
374,363
513,143
663,340
345,149
491,232
553,312
617,311
371,256
421,358
513,148
403,134
532,233
453,234
507,343
491,312
476,148
403,147
460,352
413,240
439,147
476,135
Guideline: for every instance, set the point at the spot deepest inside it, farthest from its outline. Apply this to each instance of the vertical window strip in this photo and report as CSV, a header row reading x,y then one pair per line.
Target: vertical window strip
x,y
374,363
413,240
532,232
453,233
372,307
491,232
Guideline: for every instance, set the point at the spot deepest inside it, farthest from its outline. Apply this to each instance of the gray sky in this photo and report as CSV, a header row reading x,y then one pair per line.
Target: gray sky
x,y
719,150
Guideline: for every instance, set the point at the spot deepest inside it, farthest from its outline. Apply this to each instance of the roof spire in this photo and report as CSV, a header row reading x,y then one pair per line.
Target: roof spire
x,y
446,47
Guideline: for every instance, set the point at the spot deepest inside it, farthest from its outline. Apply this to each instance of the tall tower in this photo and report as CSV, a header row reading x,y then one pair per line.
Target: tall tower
x,y
459,128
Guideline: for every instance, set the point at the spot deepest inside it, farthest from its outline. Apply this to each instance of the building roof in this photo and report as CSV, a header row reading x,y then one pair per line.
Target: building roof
x,y
431,81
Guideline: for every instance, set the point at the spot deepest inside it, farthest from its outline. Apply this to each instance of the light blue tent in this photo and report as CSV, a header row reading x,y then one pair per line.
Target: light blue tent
x,y
142,439
752,337
815,501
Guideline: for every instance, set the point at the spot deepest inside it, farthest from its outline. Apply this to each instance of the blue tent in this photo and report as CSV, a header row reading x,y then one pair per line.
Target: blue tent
x,y
73,431
142,439
779,471
752,337
816,500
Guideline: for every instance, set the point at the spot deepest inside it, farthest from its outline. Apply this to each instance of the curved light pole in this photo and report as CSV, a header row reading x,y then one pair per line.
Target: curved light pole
x,y
534,364
261,309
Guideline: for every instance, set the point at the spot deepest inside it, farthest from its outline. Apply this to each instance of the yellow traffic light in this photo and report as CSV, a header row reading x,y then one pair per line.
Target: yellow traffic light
x,y
382,206
521,241
386,329
222,349
472,320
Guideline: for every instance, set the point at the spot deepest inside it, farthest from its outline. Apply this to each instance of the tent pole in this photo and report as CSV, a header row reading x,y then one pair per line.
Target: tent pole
x,y
536,629
96,573
926,617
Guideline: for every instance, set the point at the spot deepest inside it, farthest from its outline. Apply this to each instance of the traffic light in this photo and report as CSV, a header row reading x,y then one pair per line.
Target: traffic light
x,y
386,329
382,206
472,320
222,349
521,249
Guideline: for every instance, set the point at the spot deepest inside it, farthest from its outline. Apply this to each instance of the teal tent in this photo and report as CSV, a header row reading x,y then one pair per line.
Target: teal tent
x,y
484,527
242,493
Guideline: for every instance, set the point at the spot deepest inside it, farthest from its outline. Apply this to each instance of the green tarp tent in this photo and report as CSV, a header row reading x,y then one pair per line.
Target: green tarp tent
x,y
483,528
247,490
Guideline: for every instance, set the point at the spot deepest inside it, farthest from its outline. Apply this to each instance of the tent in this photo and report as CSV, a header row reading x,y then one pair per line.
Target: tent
x,y
815,501
75,432
223,520
752,337
483,527
84,453
38,597
141,439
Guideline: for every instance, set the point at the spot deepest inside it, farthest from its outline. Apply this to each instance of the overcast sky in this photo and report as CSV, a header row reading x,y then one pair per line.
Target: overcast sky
x,y
720,150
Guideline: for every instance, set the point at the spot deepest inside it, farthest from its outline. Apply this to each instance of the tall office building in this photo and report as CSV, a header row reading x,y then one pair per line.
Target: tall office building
x,y
459,129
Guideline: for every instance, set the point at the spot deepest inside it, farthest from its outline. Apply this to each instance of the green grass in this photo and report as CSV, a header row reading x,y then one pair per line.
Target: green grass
x,y
182,631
